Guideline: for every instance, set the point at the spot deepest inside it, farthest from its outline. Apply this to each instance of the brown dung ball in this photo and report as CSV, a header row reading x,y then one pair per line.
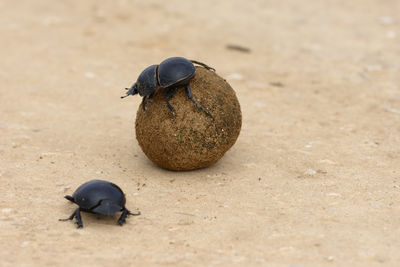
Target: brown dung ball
x,y
195,140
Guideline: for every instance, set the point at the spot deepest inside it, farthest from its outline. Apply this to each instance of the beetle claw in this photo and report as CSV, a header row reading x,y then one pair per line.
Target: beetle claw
x,y
134,214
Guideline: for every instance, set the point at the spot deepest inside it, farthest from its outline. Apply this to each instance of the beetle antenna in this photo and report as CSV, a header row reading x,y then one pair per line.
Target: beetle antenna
x,y
202,64
131,91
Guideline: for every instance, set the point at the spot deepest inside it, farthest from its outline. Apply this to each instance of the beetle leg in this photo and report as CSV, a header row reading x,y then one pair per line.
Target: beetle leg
x,y
168,95
122,218
143,104
149,100
124,214
69,218
76,214
202,64
190,96
78,218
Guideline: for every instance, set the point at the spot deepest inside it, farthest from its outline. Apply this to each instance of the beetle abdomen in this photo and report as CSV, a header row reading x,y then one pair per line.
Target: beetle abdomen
x,y
175,71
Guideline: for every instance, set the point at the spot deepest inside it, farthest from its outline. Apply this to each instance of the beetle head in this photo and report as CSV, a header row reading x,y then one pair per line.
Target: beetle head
x,y
131,91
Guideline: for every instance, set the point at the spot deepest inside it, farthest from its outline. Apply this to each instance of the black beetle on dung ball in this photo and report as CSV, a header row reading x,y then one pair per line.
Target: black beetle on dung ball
x,y
171,73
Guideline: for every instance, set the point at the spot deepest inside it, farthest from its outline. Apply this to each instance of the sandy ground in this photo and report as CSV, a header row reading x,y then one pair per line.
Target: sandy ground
x,y
313,179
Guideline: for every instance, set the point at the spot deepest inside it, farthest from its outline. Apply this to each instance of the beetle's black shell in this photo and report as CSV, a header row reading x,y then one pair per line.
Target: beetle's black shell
x,y
175,71
91,193
147,81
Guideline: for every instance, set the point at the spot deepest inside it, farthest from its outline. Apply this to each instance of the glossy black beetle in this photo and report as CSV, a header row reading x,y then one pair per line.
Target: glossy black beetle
x,y
171,73
99,197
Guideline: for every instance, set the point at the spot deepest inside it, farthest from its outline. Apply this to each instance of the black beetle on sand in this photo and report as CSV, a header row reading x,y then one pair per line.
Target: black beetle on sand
x,y
171,73
100,197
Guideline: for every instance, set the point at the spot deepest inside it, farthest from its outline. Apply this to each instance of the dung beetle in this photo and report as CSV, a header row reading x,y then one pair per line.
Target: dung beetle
x,y
100,197
172,73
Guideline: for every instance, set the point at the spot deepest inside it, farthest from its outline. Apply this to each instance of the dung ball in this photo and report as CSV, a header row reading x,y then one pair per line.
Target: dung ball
x,y
195,140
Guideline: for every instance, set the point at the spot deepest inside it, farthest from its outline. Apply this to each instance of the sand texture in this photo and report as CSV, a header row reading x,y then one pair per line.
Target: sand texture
x,y
312,180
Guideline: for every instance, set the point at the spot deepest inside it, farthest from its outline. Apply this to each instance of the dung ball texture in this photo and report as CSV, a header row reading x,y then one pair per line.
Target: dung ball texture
x,y
195,140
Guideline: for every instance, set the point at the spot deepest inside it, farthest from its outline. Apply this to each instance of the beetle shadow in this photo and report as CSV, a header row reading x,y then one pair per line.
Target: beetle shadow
x,y
203,175
92,218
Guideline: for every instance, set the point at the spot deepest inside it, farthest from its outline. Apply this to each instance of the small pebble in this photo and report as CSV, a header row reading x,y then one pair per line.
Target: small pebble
x,y
328,161
259,104
391,34
238,48
6,210
386,20
373,68
89,75
310,172
277,84
330,258
249,165
235,76
185,222
24,244
393,110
